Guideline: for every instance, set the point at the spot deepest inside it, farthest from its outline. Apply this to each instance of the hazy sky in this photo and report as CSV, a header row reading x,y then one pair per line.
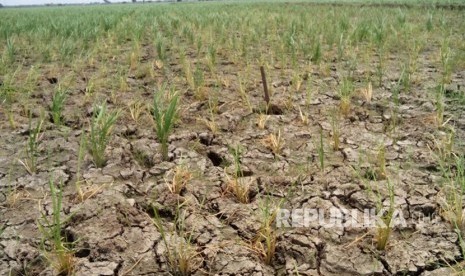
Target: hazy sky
x,y
40,2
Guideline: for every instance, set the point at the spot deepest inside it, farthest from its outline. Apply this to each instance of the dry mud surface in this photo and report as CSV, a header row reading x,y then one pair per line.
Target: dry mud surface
x,y
113,230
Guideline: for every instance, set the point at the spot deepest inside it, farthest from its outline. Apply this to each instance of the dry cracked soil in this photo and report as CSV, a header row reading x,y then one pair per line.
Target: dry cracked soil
x,y
113,229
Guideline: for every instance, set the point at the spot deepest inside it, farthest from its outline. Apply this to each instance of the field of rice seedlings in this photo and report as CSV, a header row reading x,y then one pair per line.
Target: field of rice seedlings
x,y
233,138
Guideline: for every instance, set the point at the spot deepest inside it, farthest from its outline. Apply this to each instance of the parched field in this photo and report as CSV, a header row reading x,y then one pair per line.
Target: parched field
x,y
138,139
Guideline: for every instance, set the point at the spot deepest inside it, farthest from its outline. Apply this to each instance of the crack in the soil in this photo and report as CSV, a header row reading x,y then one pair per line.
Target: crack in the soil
x,y
384,263
319,249
120,233
118,268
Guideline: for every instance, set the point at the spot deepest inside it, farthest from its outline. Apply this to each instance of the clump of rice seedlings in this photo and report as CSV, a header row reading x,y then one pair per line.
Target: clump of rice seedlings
x,y
443,147
7,98
336,128
211,57
237,185
81,154
32,146
429,23
453,191
321,151
161,48
317,52
13,193
188,72
303,117
135,56
210,123
164,114
156,64
8,95
309,92
136,110
446,61
413,53
346,90
90,88
341,47
439,102
405,79
180,179
381,162
123,84
352,62
367,93
101,127
274,142
58,101
395,118
243,93
58,251
13,197
240,188
296,82
84,192
380,38
199,81
265,241
384,227
237,152
385,223
213,103
11,49
181,254
262,119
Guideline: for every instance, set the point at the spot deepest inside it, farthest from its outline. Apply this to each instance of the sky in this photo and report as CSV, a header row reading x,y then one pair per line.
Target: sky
x,y
42,2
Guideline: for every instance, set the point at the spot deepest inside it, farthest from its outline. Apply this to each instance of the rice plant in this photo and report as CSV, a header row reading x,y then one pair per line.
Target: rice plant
x,y
164,113
274,142
57,250
32,145
384,228
367,93
336,128
7,98
240,188
385,222
440,105
136,110
237,152
58,101
181,254
101,128
453,191
180,179
321,151
265,241
381,162
11,49
346,90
